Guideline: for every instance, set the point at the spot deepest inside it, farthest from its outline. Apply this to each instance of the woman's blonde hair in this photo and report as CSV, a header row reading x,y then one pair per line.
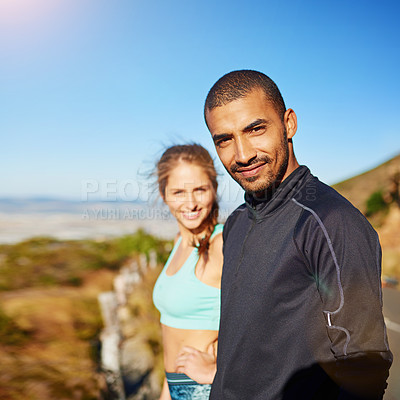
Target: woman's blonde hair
x,y
197,155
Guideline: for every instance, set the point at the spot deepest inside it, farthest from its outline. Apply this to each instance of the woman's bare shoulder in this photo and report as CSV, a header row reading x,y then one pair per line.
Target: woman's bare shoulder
x,y
215,251
216,242
176,237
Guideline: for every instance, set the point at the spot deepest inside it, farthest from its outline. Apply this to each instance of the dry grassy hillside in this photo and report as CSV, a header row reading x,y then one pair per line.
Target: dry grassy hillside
x,y
360,188
49,315
377,194
47,341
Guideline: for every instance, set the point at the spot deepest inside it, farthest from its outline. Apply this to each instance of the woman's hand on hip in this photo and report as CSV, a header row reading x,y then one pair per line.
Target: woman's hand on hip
x,y
198,365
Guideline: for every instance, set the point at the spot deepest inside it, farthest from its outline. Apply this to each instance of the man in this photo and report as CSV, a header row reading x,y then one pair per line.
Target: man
x,y
301,312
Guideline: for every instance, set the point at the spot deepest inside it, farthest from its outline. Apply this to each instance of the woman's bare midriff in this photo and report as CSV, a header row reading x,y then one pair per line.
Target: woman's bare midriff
x,y
175,339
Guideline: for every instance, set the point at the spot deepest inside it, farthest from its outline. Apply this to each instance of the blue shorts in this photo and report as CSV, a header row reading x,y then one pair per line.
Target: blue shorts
x,y
181,387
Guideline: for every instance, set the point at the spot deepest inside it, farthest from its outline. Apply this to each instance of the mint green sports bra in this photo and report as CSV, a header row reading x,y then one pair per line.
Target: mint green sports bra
x,y
183,300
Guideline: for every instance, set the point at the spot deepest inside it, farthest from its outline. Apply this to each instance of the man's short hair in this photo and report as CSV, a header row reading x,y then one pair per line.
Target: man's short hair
x,y
238,84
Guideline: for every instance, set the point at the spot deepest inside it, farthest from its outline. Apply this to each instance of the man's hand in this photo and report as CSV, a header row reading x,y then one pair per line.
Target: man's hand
x,y
198,365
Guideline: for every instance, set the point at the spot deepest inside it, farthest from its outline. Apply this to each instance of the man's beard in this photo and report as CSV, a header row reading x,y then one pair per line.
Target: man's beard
x,y
270,179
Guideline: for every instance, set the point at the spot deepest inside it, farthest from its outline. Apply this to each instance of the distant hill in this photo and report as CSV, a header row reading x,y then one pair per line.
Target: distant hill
x,y
57,205
360,188
380,187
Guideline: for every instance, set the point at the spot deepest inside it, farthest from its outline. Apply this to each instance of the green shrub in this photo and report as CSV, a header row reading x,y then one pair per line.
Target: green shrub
x,y
376,203
44,262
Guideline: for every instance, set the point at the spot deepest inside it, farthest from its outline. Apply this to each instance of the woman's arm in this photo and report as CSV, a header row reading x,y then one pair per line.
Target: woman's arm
x,y
165,391
199,365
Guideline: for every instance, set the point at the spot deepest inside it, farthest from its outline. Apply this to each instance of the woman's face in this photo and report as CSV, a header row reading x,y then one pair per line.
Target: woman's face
x,y
189,195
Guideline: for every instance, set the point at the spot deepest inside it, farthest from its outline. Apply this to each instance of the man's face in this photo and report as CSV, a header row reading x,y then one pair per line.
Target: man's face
x,y
251,141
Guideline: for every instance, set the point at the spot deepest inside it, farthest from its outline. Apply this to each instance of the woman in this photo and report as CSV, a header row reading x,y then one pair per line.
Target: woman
x,y
187,292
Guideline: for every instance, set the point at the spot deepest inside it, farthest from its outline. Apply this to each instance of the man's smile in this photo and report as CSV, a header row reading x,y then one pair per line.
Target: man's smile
x,y
252,170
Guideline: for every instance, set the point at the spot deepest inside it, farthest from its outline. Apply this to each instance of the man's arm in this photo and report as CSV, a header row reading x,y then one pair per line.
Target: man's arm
x,y
344,256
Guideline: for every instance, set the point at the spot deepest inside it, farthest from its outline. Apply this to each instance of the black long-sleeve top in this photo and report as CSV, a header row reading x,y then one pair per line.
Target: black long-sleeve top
x,y
301,307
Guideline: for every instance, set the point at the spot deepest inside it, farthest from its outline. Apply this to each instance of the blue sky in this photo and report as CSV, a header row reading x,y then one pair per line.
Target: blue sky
x,y
91,91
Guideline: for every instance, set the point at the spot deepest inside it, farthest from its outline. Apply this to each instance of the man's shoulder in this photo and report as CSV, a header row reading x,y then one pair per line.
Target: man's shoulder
x,y
324,203
319,196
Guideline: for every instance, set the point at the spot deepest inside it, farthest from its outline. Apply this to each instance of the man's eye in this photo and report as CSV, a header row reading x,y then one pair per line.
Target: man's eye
x,y
258,128
222,142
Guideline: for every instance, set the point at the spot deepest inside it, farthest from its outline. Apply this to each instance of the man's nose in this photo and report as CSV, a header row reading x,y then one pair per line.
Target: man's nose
x,y
244,151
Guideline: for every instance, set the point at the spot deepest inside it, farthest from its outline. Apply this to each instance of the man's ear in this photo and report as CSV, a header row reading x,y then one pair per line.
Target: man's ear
x,y
290,122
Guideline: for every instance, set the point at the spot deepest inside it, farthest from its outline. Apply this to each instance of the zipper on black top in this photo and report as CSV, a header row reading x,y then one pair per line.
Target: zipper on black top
x,y
245,239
